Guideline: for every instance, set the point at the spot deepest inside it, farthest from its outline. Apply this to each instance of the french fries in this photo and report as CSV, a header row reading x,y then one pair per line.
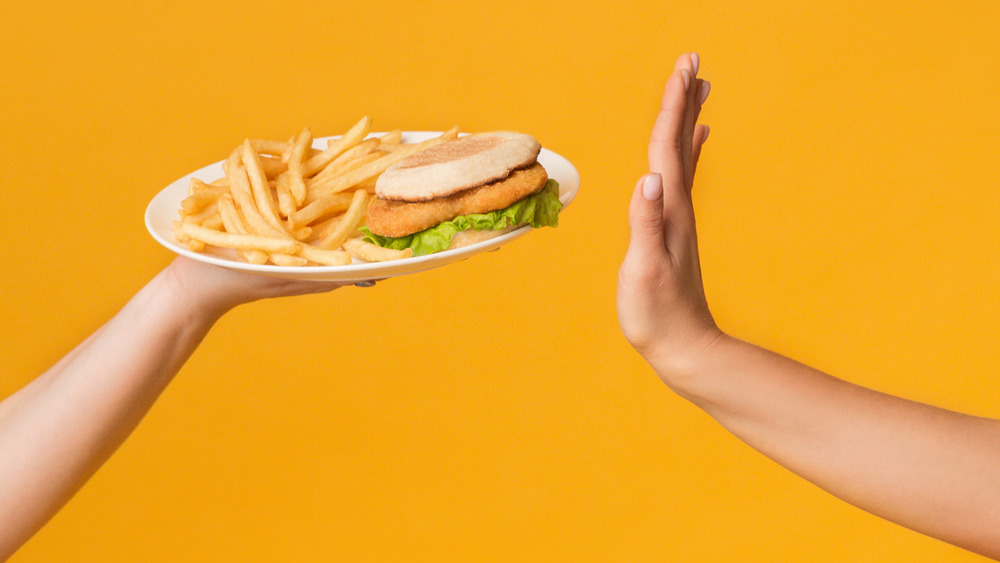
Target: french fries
x,y
374,253
375,167
288,204
350,221
239,241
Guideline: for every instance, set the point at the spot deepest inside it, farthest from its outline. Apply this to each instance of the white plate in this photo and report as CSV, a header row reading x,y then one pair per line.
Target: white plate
x,y
163,211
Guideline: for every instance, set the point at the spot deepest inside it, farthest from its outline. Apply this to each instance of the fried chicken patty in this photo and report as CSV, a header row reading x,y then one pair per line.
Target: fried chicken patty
x,y
393,218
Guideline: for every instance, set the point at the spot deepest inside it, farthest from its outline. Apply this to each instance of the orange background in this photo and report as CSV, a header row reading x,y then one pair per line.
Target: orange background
x,y
490,410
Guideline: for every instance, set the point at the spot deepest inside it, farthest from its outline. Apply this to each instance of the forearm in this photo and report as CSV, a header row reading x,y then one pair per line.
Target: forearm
x,y
58,430
929,469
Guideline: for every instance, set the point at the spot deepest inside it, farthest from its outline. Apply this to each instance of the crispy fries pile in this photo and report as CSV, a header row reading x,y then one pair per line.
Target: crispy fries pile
x,y
288,204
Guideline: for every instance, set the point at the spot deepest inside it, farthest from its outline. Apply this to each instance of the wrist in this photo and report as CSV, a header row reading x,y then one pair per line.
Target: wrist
x,y
170,288
682,367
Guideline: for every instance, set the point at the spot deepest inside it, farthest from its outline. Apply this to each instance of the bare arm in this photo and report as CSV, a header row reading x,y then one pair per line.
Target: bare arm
x,y
929,469
59,429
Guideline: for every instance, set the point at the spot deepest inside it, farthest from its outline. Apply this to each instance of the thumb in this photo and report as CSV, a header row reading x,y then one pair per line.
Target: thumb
x,y
645,217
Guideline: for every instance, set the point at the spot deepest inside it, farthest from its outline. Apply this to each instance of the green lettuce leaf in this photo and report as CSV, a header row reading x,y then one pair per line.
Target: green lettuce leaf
x,y
540,209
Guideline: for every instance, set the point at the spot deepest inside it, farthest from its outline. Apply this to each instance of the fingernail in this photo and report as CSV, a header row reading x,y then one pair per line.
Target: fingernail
x,y
705,87
687,78
652,187
366,283
707,131
694,62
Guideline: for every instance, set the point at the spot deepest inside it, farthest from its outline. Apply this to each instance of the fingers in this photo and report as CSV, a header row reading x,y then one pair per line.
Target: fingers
x,y
660,213
700,136
671,142
700,132
670,149
688,63
675,143
665,141
704,87
288,287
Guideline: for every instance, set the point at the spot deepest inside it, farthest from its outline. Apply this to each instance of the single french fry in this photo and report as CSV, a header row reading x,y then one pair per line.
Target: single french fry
x,y
196,185
288,149
296,158
393,137
239,184
202,214
325,257
373,253
321,208
286,203
392,147
260,188
234,240
200,199
269,147
348,223
353,136
287,260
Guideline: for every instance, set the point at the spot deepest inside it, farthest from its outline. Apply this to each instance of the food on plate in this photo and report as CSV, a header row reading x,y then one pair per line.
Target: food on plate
x,y
374,253
367,197
289,204
461,191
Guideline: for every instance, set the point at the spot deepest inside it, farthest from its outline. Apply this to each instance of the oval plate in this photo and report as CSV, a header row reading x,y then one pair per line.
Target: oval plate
x,y
163,211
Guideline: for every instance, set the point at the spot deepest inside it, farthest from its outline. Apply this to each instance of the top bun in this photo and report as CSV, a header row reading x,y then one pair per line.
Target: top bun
x,y
460,164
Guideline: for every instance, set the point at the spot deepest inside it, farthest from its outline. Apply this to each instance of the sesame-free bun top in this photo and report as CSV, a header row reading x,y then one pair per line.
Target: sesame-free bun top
x,y
456,165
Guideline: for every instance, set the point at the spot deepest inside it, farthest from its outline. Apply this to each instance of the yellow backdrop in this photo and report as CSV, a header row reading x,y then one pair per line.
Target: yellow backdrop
x,y
490,410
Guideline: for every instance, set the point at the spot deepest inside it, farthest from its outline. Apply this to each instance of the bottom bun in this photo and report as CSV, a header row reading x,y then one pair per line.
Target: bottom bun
x,y
471,236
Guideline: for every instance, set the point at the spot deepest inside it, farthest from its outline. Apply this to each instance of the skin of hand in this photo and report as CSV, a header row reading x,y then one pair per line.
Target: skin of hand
x,y
60,428
215,290
929,469
661,301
